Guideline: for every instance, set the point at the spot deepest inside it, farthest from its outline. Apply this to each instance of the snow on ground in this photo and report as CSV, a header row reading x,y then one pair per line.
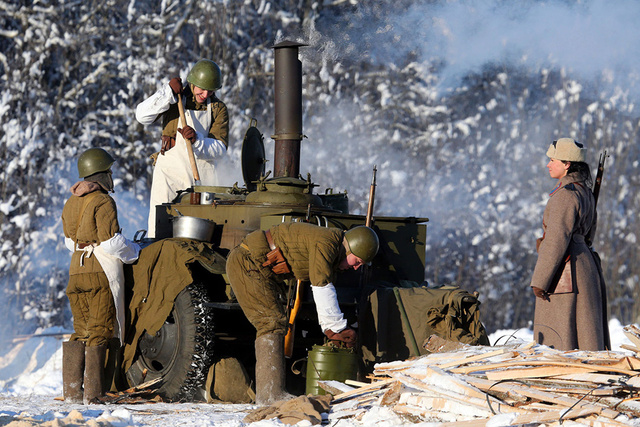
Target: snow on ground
x,y
31,379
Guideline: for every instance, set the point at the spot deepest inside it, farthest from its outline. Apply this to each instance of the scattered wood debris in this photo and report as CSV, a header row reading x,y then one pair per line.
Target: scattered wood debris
x,y
633,333
143,393
511,385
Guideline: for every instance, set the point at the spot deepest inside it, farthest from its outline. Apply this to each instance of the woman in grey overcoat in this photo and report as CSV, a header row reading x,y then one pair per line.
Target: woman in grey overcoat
x,y
570,312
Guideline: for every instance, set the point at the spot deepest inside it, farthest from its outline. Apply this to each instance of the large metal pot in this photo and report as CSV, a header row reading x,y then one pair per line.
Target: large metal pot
x,y
191,227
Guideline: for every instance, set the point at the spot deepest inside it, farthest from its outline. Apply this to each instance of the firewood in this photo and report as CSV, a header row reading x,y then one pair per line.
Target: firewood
x,y
522,419
436,383
630,348
633,333
522,384
143,386
355,383
363,390
475,358
539,372
334,387
539,395
584,367
392,394
433,415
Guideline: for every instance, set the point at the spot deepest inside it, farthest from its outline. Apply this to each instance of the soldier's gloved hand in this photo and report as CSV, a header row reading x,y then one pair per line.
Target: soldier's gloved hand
x,y
176,85
188,133
540,293
347,337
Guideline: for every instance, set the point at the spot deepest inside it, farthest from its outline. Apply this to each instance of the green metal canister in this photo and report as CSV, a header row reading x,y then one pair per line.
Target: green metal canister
x,y
330,363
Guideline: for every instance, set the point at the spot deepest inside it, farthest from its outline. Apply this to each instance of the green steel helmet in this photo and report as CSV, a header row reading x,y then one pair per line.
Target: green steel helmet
x,y
363,242
94,160
206,75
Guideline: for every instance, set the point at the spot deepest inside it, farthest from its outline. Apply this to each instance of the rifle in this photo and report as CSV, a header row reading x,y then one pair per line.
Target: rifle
x,y
603,287
598,181
372,194
288,339
365,271
596,191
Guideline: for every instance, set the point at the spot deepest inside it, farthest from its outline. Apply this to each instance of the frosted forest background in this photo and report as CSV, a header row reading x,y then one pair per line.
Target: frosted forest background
x,y
455,102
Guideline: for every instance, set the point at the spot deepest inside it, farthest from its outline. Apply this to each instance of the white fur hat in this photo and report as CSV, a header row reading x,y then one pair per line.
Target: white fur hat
x,y
568,150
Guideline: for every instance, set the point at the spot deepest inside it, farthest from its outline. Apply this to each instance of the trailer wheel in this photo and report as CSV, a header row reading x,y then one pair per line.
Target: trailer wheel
x,y
182,350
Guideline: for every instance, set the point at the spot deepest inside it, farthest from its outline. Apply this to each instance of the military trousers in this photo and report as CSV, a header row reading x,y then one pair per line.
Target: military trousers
x,y
92,307
259,294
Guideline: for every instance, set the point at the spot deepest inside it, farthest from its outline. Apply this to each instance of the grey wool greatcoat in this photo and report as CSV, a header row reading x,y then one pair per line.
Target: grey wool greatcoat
x,y
575,317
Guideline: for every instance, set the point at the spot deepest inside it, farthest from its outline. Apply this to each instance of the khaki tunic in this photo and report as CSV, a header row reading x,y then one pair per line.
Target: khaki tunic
x,y
312,252
219,117
88,289
574,317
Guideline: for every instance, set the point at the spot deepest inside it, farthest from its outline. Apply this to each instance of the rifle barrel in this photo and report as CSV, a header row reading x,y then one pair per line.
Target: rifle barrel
x,y
598,182
372,193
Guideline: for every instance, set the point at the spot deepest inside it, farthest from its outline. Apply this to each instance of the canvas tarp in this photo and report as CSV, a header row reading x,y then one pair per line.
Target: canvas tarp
x,y
448,311
155,280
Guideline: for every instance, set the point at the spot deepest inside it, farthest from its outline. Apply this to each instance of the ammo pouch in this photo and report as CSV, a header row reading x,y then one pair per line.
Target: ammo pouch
x,y
276,262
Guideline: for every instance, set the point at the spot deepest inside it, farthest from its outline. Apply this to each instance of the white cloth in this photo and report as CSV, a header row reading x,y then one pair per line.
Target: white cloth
x,y
329,314
172,171
122,248
70,244
111,254
112,268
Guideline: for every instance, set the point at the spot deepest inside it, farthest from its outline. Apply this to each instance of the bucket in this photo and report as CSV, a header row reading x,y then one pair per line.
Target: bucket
x,y
207,198
330,363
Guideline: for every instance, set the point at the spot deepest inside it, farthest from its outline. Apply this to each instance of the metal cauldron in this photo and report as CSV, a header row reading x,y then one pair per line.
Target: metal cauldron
x,y
191,227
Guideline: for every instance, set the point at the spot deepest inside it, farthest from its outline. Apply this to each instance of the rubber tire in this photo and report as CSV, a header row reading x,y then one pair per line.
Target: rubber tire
x,y
182,350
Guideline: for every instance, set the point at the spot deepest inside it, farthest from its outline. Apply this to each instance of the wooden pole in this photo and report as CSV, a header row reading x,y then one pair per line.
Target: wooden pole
x,y
192,157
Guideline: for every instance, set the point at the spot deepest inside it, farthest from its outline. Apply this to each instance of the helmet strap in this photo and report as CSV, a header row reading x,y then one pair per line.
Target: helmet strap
x,y
346,246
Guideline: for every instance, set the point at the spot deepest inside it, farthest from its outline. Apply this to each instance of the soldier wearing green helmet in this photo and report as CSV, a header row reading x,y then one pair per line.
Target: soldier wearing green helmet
x,y
94,165
206,75
363,243
96,279
94,160
206,130
257,269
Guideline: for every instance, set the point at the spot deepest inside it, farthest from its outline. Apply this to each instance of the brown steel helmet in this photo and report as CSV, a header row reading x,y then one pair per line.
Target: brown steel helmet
x,y
363,242
94,160
206,75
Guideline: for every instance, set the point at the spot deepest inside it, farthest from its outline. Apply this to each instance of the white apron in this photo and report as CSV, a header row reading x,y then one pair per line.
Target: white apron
x,y
172,171
114,271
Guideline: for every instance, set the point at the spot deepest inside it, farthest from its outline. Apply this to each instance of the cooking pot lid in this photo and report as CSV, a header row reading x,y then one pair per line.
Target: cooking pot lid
x,y
253,157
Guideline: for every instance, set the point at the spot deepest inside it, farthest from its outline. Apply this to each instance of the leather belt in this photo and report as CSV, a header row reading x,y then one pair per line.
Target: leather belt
x,y
83,245
267,235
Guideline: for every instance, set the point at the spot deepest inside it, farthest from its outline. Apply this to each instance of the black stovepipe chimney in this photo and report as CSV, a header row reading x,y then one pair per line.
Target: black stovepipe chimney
x,y
288,109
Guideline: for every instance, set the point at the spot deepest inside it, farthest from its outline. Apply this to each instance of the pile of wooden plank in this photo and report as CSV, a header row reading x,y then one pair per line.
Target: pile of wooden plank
x,y
523,384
